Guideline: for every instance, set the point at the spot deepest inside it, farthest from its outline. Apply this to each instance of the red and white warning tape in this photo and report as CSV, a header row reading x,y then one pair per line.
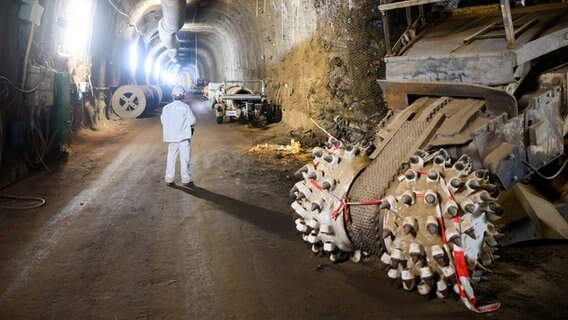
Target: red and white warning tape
x,y
457,258
343,204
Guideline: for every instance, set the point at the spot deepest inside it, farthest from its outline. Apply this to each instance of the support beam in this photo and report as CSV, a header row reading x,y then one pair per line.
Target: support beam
x,y
508,24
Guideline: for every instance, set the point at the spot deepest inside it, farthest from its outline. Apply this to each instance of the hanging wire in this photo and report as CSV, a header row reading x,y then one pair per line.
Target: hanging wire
x,y
127,17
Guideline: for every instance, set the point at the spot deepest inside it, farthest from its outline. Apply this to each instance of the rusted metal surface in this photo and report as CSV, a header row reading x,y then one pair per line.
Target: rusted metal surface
x,y
462,117
478,34
545,220
504,162
543,45
394,127
508,23
465,35
405,4
497,101
500,144
543,214
481,48
544,126
557,77
486,70
456,128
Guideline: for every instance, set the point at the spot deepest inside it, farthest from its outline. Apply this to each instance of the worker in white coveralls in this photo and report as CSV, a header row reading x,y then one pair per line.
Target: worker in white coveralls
x,y
177,122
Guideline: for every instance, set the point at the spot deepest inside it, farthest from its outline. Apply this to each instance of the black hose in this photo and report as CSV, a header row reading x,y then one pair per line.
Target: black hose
x,y
543,176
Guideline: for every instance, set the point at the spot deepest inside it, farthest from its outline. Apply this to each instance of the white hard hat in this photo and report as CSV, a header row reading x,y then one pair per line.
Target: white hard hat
x,y
178,91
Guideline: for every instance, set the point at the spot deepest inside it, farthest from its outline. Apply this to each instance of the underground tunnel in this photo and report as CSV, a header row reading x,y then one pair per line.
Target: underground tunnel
x,y
283,159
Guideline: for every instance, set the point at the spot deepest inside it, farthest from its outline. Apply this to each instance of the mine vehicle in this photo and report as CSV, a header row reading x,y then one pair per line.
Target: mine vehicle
x,y
243,101
478,105
198,86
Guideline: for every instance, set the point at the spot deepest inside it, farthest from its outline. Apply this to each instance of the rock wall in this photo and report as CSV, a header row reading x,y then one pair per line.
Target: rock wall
x,y
321,60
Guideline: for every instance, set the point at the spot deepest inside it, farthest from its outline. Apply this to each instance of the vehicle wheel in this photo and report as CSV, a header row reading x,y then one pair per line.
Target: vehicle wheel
x,y
219,120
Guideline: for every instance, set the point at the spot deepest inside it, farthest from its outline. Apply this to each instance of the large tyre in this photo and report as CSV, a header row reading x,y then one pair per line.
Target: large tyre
x,y
219,120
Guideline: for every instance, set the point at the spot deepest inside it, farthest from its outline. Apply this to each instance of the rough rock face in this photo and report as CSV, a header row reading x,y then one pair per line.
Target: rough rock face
x,y
330,70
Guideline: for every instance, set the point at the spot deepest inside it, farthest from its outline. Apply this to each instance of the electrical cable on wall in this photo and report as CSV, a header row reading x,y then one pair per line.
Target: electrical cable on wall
x,y
21,90
127,17
8,81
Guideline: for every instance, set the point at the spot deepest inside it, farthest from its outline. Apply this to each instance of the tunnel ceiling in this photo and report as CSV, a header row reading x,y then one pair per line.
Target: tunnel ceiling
x,y
218,40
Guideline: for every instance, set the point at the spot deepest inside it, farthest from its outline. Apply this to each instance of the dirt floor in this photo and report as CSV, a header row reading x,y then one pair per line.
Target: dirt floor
x,y
114,242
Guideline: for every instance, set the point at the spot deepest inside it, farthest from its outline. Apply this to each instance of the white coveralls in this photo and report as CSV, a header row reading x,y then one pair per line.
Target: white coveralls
x,y
177,120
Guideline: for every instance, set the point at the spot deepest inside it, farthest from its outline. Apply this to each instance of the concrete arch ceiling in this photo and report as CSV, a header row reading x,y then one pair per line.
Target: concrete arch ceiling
x,y
227,41
234,36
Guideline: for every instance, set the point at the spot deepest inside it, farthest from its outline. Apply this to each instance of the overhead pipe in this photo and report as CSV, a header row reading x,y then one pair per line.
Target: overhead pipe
x,y
173,18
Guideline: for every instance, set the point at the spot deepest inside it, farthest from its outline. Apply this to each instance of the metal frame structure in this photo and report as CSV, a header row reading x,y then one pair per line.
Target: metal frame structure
x,y
467,46
508,24
408,4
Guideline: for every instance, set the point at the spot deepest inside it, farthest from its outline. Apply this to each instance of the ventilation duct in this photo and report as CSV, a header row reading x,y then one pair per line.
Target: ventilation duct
x,y
172,21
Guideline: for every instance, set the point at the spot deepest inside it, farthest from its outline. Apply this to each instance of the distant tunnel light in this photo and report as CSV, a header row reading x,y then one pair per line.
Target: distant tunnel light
x,y
169,77
148,65
133,56
79,28
157,70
